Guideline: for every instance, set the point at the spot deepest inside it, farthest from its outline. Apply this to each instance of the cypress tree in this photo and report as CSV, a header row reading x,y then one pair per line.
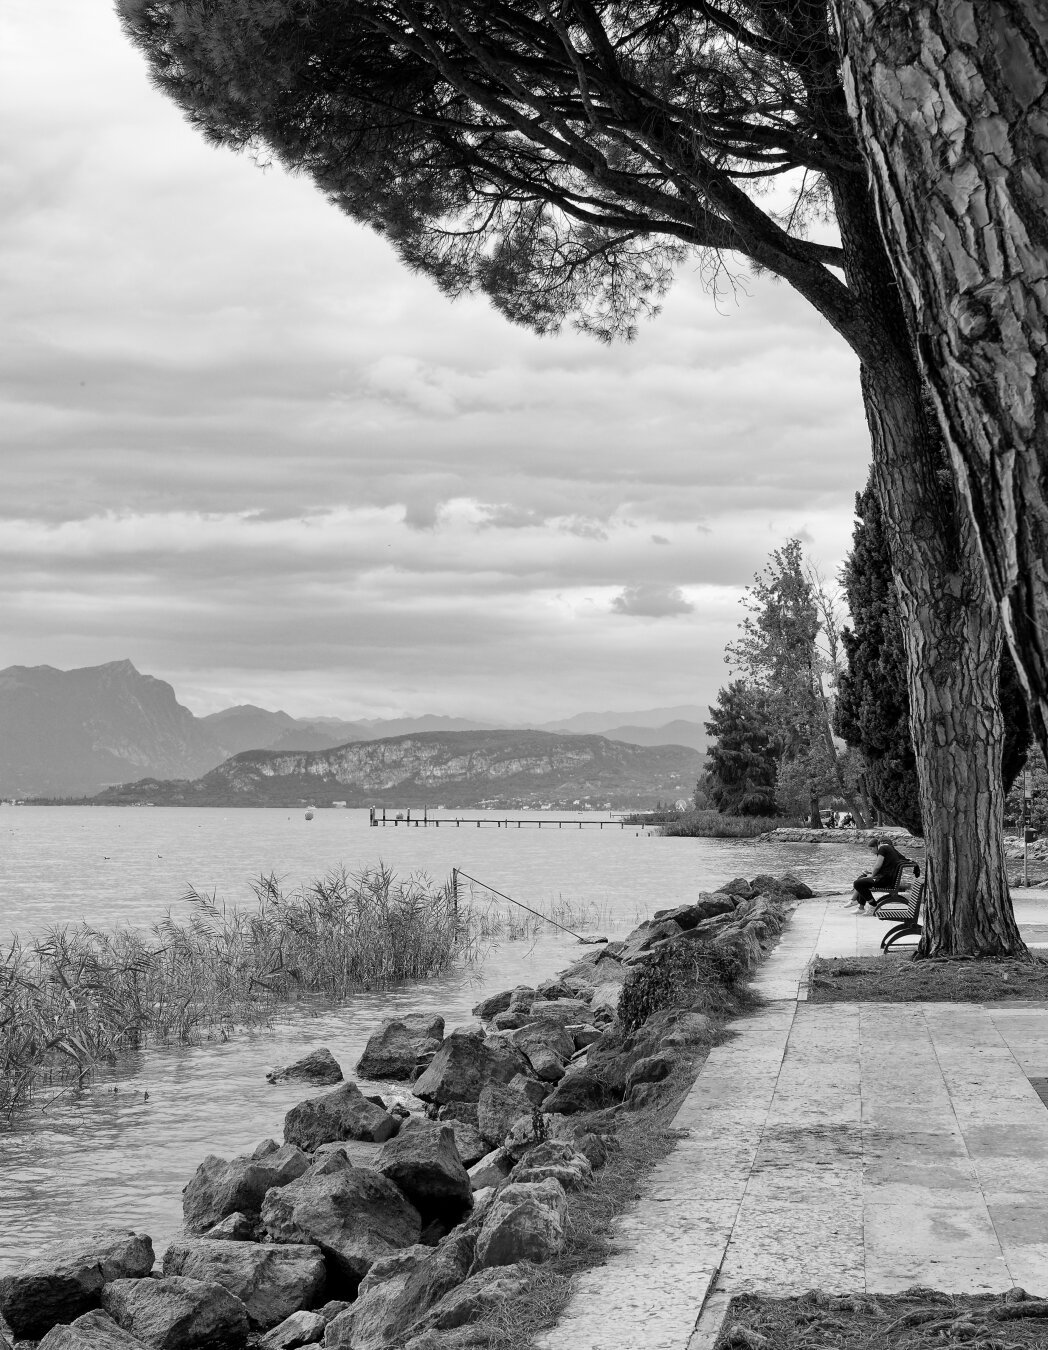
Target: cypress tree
x,y
873,704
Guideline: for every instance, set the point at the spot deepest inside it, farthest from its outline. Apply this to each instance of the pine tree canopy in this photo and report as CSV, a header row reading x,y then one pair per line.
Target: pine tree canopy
x,y
562,157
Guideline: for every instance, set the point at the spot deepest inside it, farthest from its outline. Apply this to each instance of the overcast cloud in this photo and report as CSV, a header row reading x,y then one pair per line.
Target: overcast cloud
x,y
245,448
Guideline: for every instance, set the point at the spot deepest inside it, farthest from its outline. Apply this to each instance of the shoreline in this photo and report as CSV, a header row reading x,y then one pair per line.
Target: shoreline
x,y
644,1085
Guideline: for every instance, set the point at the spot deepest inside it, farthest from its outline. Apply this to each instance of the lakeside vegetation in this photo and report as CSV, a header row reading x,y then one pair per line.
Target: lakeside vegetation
x,y
694,823
701,822
79,995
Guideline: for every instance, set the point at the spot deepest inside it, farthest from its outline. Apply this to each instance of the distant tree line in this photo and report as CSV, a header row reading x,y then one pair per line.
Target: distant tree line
x,y
820,710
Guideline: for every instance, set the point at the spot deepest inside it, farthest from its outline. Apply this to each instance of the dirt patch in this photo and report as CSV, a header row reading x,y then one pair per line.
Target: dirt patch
x,y
899,979
915,1320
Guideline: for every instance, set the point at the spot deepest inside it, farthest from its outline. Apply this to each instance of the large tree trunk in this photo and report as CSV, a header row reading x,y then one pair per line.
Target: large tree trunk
x,y
951,100
951,628
953,643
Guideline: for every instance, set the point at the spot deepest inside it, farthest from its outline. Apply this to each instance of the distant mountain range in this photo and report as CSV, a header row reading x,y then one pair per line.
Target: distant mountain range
x,y
448,769
74,733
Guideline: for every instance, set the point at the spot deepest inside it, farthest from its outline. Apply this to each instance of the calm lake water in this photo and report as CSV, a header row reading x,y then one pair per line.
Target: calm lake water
x,y
111,1155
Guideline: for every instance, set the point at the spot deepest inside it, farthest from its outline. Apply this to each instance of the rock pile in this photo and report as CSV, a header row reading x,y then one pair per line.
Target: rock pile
x,y
383,1222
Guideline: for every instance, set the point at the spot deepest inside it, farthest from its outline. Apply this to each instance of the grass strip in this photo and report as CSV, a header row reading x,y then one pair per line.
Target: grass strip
x,y
899,979
917,1319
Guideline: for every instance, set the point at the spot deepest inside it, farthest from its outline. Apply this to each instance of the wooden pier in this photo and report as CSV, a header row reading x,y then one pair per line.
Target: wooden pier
x,y
379,816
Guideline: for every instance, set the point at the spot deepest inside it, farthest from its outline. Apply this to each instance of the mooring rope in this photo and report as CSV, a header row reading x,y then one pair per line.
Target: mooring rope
x,y
589,942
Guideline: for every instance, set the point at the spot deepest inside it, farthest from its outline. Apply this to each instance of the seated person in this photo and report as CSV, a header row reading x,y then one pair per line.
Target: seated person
x,y
885,871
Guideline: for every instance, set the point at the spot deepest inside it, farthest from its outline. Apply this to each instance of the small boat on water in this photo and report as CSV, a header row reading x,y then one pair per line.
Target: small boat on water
x,y
309,813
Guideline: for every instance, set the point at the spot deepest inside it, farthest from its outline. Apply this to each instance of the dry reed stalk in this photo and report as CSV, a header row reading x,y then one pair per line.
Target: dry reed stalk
x,y
78,996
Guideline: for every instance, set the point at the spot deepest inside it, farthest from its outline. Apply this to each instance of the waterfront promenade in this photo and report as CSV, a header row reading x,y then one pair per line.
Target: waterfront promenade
x,y
850,1147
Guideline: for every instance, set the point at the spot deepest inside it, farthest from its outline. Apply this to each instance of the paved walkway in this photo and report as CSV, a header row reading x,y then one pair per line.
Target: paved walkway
x,y
849,1147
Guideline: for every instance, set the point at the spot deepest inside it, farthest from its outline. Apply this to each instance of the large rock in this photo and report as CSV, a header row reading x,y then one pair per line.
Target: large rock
x,y
492,1169
354,1215
560,1011
612,1058
466,1111
66,1279
488,1007
482,1293
235,1227
606,997
644,937
220,1186
94,1330
554,1159
469,1142
578,1091
689,1028
525,1222
425,1165
705,907
394,1050
304,1327
178,1313
548,1047
271,1280
319,1067
650,1069
397,1291
584,975
512,1018
465,1063
343,1114
499,1107
534,1089
582,1034
739,887
769,885
554,988
800,889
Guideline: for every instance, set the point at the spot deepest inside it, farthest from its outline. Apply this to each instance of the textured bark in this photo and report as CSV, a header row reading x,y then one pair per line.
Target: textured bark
x,y
953,644
951,631
951,97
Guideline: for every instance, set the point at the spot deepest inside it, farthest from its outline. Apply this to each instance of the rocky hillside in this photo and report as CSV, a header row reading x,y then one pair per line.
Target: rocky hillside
x,y
68,732
74,733
450,769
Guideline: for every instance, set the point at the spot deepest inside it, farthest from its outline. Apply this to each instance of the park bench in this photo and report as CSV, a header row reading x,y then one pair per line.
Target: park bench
x,y
897,882
905,917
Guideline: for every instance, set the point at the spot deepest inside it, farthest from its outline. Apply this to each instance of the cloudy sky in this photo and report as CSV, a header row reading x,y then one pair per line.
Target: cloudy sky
x,y
243,447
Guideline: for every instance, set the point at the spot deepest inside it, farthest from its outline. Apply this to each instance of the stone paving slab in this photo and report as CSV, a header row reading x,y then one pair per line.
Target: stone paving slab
x,y
850,1147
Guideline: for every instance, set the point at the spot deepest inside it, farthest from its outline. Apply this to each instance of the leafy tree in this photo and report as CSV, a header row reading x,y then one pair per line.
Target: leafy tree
x,y
741,760
963,216
778,652
873,712
564,157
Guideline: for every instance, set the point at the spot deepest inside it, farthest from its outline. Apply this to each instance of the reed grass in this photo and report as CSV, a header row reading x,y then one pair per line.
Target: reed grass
x,y
80,995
